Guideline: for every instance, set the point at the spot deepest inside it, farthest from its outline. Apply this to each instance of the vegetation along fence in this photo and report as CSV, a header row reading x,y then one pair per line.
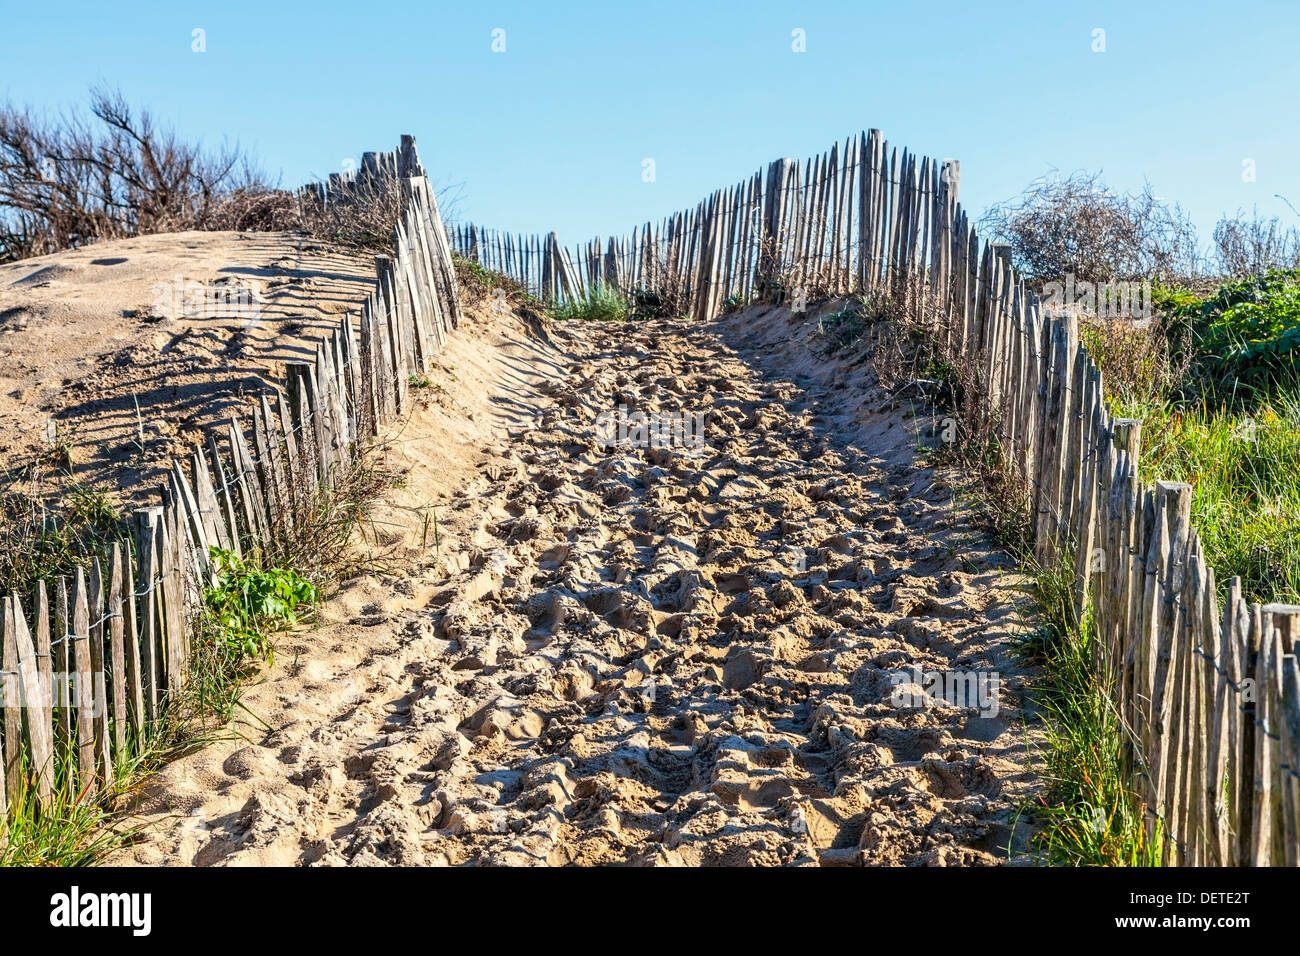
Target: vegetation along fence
x,y
88,663
1209,695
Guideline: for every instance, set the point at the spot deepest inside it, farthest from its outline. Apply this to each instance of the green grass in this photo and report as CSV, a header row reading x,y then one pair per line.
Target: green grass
x,y
70,832
1224,416
78,827
1244,469
1090,816
602,304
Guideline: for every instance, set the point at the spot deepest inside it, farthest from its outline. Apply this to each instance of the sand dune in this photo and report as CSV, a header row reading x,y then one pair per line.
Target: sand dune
x,y
655,656
132,348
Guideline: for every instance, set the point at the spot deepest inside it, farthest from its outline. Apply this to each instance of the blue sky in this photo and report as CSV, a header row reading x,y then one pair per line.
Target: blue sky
x,y
551,134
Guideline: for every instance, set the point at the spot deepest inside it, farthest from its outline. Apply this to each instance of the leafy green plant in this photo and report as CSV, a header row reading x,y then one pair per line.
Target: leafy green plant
x,y
247,604
733,303
1171,298
651,305
844,327
1246,336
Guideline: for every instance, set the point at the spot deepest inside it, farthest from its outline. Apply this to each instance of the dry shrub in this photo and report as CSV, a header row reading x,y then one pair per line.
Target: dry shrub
x,y
875,323
1136,360
70,181
664,292
1253,246
252,210
779,277
314,525
75,180
1077,225
358,213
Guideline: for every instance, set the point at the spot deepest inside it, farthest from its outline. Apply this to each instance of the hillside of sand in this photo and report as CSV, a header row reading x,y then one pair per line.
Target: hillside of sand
x,y
122,353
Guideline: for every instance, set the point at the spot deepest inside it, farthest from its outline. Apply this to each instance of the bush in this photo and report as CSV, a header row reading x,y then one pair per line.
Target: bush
x,y
733,303
1136,361
71,181
68,182
1077,225
49,533
1251,246
650,305
1226,419
1246,336
361,215
478,281
849,328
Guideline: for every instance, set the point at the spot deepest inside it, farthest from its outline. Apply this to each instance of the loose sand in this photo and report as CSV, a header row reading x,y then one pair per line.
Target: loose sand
x,y
129,373
652,656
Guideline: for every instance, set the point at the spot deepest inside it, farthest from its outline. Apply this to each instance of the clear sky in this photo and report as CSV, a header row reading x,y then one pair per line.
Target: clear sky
x,y
552,132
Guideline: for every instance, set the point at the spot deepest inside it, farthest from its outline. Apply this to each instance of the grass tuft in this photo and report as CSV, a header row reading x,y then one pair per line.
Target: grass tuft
x,y
602,304
1090,815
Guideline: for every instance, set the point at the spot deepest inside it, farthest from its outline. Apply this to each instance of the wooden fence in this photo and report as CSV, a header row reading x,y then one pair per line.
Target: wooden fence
x,y
1209,693
842,221
88,663
539,263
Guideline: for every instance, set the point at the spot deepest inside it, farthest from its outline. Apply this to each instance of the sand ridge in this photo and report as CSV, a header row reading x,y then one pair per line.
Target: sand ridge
x,y
130,349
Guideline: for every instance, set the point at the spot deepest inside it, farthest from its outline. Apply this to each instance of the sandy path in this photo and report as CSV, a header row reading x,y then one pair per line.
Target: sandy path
x,y
644,655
